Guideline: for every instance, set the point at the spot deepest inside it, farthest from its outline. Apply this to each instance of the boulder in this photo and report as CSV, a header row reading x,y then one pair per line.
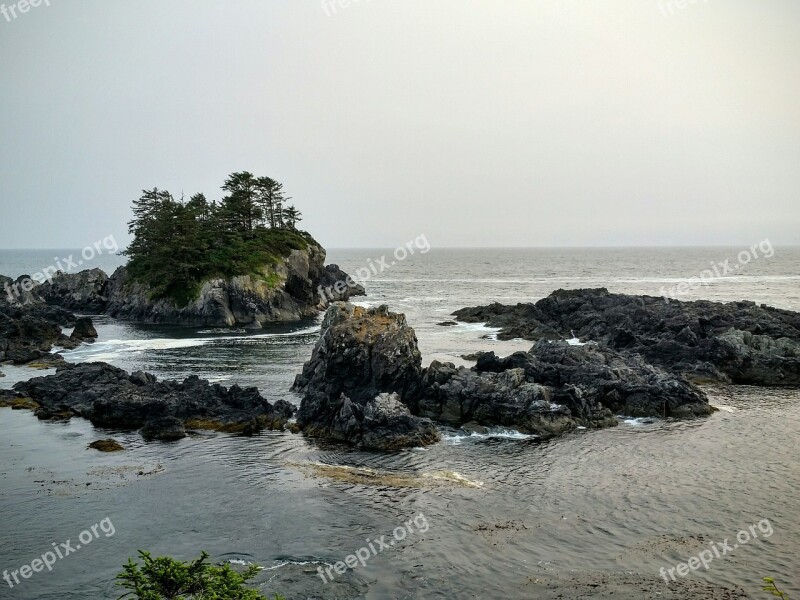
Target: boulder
x,y
384,423
84,330
363,354
84,291
461,396
337,286
108,445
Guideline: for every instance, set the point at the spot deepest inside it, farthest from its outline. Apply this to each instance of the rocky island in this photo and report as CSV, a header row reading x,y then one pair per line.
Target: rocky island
x,y
238,262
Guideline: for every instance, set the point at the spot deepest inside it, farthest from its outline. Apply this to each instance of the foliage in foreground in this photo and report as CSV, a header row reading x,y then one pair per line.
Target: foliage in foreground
x,y
165,578
178,244
773,589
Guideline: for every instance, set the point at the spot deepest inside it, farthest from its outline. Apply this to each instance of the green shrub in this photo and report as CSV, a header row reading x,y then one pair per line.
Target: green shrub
x,y
165,578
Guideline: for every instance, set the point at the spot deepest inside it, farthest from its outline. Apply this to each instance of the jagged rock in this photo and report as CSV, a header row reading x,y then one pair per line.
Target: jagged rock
x,y
84,330
623,383
20,292
29,328
337,286
362,354
384,423
553,388
738,341
110,397
83,291
460,396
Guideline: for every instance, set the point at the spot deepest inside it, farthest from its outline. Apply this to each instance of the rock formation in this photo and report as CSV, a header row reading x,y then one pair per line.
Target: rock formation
x,y
110,397
362,355
364,365
737,342
29,328
289,291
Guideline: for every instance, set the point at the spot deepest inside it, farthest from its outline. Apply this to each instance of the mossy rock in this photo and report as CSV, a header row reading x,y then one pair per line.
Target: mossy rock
x,y
245,427
19,403
108,445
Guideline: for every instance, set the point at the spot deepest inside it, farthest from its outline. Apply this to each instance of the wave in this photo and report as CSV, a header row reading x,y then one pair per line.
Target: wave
x,y
507,434
109,349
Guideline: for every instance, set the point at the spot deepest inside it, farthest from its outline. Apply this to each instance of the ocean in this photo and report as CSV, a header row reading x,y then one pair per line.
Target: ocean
x,y
508,516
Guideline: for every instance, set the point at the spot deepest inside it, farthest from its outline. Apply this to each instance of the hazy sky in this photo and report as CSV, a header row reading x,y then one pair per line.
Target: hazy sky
x,y
476,123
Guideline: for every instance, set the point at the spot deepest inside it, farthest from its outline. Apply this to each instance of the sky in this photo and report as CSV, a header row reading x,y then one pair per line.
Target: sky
x,y
472,122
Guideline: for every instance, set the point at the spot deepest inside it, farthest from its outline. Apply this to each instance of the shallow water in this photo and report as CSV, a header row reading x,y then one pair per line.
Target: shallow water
x,y
505,512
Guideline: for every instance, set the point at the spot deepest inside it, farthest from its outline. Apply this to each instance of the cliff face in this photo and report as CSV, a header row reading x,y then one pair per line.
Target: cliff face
x,y
295,288
286,293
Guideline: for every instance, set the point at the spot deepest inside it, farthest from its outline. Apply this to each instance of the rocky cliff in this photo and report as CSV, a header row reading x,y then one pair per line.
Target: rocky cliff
x,y
299,286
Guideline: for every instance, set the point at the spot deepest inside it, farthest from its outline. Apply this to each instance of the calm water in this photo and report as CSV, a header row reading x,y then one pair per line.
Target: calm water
x,y
628,500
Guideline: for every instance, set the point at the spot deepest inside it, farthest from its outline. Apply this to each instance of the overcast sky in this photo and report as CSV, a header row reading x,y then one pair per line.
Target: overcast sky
x,y
476,123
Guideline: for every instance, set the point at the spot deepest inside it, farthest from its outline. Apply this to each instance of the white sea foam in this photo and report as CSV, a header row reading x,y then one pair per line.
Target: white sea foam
x,y
508,434
636,421
111,349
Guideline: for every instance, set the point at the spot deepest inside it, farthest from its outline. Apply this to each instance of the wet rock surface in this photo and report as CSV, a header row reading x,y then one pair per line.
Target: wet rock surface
x,y
364,366
29,328
110,397
297,287
738,342
363,355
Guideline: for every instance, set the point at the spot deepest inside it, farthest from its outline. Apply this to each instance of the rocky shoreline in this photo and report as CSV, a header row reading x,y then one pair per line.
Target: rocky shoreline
x,y
736,342
163,410
596,355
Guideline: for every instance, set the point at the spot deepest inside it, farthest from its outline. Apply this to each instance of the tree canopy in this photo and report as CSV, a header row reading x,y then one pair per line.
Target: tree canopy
x,y
178,244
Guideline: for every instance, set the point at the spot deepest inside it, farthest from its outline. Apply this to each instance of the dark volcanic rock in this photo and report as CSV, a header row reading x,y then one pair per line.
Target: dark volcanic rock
x,y
84,291
554,388
110,397
623,383
461,396
362,354
737,341
166,429
337,286
29,332
384,423
84,330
